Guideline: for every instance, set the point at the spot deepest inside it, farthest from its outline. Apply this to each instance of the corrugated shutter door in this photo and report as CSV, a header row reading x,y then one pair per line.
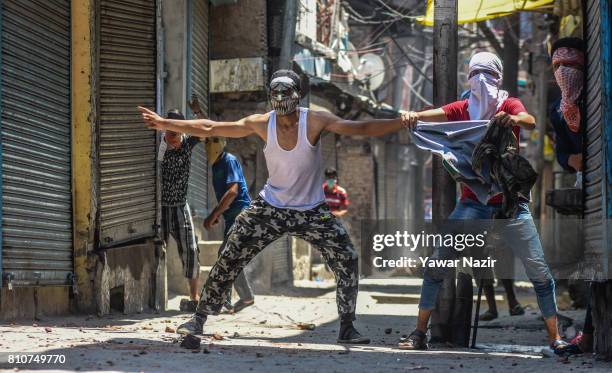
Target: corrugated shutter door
x,y
36,173
127,150
197,194
593,173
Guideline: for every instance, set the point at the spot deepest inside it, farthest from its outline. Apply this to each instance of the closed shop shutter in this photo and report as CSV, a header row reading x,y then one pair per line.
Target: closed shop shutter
x,y
593,175
197,195
36,120
127,150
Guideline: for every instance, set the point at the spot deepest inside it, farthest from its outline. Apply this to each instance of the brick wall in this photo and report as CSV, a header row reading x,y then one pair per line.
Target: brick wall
x,y
356,175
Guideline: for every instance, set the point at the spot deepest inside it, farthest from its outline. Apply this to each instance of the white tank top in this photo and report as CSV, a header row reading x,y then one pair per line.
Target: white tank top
x,y
295,176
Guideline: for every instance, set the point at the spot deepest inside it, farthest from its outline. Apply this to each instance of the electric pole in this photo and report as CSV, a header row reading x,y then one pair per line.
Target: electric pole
x,y
289,24
443,186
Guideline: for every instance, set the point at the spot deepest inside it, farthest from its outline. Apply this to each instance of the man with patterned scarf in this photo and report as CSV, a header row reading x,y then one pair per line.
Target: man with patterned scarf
x,y
566,118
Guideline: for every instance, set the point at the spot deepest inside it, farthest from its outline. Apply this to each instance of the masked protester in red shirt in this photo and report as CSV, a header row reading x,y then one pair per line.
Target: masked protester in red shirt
x,y
335,196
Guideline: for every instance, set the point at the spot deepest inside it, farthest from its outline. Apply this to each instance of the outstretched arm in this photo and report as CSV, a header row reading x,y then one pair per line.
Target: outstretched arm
x,y
197,127
431,115
371,128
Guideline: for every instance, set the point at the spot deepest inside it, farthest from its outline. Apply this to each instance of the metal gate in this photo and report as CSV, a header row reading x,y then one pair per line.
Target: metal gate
x,y
128,195
35,137
594,173
197,194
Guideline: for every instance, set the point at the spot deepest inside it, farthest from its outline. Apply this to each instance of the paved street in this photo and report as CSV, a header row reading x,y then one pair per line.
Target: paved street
x,y
267,338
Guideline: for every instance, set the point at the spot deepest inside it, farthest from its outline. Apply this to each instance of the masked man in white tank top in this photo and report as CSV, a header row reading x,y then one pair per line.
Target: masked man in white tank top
x,y
292,201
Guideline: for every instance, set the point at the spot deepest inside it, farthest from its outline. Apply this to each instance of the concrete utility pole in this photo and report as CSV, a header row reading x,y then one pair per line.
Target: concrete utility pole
x,y
511,53
541,73
444,188
289,24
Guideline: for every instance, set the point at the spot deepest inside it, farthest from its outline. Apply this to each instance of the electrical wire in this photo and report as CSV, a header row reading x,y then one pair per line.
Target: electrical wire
x,y
395,12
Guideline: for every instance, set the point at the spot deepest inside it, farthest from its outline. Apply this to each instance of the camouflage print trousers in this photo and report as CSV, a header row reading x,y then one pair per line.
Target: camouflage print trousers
x,y
259,225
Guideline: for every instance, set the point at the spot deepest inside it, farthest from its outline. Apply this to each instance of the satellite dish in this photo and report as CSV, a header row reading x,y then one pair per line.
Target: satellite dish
x,y
371,70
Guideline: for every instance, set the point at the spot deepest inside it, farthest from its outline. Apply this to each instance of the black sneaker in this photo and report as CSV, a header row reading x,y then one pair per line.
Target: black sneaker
x,y
188,305
195,326
352,336
517,310
417,340
488,315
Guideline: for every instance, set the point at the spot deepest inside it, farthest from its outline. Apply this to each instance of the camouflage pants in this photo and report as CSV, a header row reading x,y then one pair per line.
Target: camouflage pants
x,y
259,225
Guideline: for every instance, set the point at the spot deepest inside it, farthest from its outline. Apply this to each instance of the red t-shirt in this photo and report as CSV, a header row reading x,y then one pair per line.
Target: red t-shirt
x,y
336,198
458,111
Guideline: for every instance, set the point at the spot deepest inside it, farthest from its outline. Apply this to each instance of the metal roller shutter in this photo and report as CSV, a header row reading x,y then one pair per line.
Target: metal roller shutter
x,y
127,151
197,195
593,182
36,120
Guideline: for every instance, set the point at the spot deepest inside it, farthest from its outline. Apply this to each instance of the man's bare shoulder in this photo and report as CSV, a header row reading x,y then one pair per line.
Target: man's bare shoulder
x,y
320,117
320,114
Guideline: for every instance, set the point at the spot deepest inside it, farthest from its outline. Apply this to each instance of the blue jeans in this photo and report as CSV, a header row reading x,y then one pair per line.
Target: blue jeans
x,y
521,235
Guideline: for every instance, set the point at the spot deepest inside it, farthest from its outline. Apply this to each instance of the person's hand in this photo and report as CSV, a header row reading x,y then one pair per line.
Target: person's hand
x,y
152,119
575,161
505,119
409,119
210,221
194,105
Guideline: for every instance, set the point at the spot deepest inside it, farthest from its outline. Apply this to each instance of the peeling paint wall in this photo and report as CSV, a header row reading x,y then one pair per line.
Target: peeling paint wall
x,y
133,270
239,31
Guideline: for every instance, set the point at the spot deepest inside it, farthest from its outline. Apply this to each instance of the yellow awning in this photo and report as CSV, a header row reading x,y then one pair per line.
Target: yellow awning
x,y
481,10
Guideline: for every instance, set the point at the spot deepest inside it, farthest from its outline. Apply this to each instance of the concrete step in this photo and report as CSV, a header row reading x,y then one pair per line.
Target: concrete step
x,y
209,250
204,272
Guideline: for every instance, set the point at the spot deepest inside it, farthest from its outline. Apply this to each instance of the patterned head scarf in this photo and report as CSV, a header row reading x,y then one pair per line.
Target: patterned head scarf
x,y
571,82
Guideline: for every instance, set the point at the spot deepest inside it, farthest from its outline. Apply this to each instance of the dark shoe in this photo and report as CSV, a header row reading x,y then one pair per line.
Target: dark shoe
x,y
517,310
560,347
195,325
188,305
488,316
417,340
240,305
351,336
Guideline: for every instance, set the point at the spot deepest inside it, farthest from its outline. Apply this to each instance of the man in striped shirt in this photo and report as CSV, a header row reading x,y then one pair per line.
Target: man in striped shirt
x,y
335,195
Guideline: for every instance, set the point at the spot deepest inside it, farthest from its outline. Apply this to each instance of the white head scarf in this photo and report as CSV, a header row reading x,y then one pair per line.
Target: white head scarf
x,y
485,95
